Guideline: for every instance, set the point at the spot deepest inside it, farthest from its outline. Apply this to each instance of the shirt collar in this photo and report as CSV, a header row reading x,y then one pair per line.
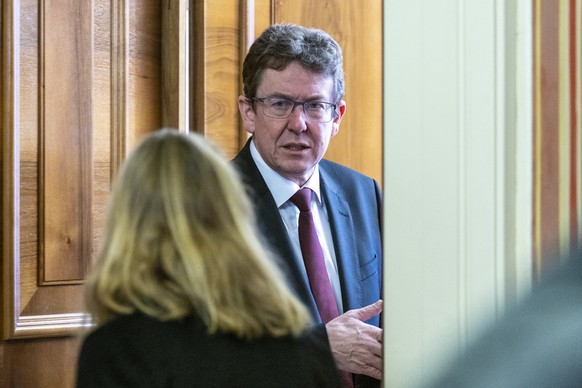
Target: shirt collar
x,y
282,188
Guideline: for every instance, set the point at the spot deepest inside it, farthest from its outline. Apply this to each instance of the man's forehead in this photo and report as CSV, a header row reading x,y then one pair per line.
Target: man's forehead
x,y
293,82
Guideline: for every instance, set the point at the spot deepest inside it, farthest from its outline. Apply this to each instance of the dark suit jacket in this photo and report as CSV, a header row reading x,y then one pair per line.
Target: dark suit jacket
x,y
354,205
140,351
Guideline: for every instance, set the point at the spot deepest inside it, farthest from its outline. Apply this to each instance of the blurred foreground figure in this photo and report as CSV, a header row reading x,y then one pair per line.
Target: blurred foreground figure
x,y
538,344
183,293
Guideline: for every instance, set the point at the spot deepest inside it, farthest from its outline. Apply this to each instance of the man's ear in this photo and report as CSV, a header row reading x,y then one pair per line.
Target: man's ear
x,y
245,107
340,111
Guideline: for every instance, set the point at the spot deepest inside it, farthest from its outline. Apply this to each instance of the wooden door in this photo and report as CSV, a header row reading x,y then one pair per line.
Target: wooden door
x,y
80,83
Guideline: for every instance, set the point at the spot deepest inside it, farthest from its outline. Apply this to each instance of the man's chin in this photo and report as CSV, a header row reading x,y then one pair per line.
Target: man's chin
x,y
297,172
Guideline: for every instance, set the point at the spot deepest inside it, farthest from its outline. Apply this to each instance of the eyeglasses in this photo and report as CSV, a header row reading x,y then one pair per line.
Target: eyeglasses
x,y
281,108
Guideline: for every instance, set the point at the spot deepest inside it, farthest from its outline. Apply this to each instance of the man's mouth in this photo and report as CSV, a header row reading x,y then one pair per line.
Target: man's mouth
x,y
295,147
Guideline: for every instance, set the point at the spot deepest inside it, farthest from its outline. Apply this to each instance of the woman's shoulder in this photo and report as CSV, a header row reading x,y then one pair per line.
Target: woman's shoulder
x,y
124,330
125,351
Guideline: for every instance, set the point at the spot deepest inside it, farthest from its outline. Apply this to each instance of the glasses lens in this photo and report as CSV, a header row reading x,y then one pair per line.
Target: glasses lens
x,y
281,108
318,111
278,108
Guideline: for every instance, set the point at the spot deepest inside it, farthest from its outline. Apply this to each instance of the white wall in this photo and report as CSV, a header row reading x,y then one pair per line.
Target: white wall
x,y
457,180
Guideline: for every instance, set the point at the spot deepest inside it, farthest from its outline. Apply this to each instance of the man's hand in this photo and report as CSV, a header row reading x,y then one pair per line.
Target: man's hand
x,y
355,345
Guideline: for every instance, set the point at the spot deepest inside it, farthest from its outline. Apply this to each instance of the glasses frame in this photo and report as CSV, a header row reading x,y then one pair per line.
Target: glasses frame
x,y
296,104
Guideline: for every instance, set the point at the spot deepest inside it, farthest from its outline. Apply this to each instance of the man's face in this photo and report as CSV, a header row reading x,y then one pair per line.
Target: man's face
x,y
292,146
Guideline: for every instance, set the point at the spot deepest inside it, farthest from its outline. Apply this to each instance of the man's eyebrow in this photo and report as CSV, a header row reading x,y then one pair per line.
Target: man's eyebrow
x,y
317,97
279,95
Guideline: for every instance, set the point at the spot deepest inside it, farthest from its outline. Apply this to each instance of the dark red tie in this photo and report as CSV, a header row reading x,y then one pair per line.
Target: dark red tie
x,y
315,266
313,258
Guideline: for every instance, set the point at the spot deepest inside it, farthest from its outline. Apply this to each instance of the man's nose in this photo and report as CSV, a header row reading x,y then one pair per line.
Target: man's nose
x,y
297,119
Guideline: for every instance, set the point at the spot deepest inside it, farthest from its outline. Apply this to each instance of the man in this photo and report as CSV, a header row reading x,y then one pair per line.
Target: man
x,y
292,106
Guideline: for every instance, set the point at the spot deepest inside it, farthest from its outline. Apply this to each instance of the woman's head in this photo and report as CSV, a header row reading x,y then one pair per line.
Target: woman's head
x,y
180,238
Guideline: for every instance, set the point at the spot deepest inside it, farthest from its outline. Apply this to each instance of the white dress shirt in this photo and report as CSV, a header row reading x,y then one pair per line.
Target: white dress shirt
x,y
282,190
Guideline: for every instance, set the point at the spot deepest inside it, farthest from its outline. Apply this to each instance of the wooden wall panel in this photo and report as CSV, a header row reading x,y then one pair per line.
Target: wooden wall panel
x,y
215,58
144,61
47,362
557,131
52,172
174,64
81,84
66,141
103,104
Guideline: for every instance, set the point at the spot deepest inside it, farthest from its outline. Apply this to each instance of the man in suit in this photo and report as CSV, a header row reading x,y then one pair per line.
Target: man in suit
x,y
292,106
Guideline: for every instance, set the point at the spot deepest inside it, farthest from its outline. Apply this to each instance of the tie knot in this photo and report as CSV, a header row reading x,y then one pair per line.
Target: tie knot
x,y
302,199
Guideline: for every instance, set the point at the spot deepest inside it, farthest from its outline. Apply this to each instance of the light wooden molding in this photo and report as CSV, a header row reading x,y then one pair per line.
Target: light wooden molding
x,y
175,64
11,165
119,82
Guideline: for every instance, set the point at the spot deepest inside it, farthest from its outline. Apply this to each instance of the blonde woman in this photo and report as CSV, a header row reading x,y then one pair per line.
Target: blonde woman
x,y
183,293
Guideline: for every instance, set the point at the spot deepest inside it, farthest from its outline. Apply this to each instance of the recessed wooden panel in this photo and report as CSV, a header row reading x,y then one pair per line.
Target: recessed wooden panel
x,y
66,134
43,363
144,69
49,203
216,76
80,75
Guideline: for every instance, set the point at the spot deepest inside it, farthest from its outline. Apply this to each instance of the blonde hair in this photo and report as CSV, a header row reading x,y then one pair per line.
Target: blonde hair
x,y
181,238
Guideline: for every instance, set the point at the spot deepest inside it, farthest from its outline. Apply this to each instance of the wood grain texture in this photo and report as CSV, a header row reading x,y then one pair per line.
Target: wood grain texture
x,y
197,73
144,79
41,363
52,171
66,141
217,74
10,169
85,87
174,74
116,84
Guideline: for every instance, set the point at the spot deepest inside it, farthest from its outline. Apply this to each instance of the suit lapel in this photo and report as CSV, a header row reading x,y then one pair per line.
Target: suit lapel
x,y
342,230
